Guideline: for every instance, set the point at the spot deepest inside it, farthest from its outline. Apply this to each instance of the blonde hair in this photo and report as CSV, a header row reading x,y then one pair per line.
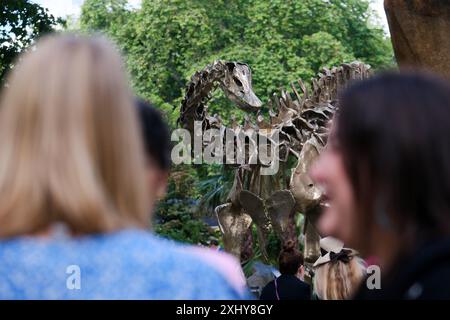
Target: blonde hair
x,y
338,280
70,149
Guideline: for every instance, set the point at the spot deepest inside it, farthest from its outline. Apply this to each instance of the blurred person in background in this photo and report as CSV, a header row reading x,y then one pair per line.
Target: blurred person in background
x,y
214,245
289,285
156,137
386,176
338,272
157,146
74,196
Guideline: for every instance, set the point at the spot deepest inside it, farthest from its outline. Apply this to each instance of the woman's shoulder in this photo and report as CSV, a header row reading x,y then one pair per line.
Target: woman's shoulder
x,y
204,267
201,261
429,286
150,266
227,265
418,277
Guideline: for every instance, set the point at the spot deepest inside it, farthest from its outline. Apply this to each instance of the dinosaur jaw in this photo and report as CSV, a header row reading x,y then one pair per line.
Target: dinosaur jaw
x,y
247,102
251,102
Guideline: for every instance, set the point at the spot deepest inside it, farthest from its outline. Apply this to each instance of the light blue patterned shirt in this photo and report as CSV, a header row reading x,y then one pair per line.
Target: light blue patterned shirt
x,y
128,264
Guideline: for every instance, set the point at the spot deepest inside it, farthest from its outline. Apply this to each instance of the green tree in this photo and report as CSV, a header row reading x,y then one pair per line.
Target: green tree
x,y
321,49
104,15
282,40
21,22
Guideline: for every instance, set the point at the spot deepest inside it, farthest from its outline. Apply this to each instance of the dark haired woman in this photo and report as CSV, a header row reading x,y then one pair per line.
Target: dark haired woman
x,y
386,175
289,285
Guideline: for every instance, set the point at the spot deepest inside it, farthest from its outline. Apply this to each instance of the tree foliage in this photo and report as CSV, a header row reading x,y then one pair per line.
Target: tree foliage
x,y
104,15
282,40
21,22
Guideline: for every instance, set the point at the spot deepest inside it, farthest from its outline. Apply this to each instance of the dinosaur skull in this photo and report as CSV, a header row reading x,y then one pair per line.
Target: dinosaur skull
x,y
237,85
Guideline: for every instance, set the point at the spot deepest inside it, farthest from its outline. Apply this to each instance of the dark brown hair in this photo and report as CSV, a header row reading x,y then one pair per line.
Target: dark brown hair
x,y
290,258
393,132
155,134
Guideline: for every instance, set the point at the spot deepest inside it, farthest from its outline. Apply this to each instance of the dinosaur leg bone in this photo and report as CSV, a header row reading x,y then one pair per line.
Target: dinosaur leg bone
x,y
254,206
234,225
281,208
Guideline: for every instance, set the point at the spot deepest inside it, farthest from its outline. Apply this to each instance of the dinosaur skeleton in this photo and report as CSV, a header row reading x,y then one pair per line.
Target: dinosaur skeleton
x,y
301,120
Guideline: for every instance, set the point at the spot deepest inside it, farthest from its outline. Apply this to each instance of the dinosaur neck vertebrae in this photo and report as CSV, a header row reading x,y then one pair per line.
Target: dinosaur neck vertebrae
x,y
198,92
298,114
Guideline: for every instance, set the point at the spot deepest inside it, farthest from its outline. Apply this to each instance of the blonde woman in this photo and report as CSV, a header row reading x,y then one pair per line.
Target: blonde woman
x,y
74,198
338,272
